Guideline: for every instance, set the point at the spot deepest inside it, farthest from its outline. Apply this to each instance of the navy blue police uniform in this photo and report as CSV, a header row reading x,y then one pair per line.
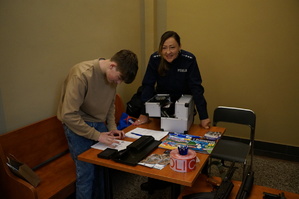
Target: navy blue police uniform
x,y
183,77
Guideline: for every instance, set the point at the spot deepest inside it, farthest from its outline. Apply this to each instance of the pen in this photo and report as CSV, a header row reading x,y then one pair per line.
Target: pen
x,y
184,135
136,134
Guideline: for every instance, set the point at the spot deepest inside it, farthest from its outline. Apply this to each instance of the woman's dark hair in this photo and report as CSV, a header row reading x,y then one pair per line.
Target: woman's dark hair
x,y
164,65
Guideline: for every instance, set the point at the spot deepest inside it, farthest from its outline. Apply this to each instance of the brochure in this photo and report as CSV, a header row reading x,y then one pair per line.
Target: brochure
x,y
196,143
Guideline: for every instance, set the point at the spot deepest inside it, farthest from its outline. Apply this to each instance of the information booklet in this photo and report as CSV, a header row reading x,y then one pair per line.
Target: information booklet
x,y
196,143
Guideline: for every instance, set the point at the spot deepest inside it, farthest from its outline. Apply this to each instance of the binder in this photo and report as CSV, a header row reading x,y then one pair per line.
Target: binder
x,y
137,151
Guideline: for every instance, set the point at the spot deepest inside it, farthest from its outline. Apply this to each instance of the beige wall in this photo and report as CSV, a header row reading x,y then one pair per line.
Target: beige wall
x,y
247,52
248,56
41,40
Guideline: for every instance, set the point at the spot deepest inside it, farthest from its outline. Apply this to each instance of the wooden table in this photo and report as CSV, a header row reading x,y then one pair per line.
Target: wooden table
x,y
166,174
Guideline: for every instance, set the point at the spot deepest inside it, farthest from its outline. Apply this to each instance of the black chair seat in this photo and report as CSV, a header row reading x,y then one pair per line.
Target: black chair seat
x,y
230,150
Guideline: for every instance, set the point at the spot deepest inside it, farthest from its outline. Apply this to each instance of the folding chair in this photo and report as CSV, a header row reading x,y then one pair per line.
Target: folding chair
x,y
235,151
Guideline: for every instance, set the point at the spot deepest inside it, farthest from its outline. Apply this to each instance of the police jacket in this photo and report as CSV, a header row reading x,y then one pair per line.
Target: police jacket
x,y
183,77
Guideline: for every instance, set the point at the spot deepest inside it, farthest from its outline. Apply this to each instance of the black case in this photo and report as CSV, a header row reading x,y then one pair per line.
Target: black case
x,y
137,151
107,153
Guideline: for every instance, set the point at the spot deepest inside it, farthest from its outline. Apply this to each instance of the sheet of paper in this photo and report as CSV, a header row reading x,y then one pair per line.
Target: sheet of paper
x,y
158,135
122,145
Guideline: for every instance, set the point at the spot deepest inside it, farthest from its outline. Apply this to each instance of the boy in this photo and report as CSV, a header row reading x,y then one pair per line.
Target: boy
x,y
86,109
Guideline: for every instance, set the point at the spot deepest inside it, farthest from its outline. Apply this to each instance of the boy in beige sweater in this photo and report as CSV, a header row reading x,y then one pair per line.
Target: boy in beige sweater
x,y
86,109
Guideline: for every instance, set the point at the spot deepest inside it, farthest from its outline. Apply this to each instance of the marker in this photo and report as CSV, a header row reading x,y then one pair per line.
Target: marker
x,y
136,134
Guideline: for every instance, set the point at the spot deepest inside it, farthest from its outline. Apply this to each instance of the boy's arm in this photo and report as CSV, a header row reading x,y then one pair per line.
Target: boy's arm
x,y
111,117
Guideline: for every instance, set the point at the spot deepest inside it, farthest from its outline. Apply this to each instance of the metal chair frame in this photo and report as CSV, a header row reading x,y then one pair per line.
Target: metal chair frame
x,y
236,116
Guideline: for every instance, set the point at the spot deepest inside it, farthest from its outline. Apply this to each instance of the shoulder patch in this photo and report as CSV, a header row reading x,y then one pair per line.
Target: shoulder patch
x,y
156,56
187,56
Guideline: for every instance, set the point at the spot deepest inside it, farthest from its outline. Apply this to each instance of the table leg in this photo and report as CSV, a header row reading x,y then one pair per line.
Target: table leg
x,y
175,190
108,183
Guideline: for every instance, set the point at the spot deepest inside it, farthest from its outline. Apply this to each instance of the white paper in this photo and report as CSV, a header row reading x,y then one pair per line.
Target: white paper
x,y
122,145
158,135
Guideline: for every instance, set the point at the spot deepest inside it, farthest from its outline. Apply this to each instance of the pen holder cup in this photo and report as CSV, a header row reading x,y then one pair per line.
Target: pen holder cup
x,y
183,149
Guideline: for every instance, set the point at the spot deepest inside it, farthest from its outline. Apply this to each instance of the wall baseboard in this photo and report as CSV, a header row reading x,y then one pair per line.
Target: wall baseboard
x,y
272,150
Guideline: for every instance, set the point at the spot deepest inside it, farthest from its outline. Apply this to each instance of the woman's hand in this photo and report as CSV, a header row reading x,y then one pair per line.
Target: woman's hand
x,y
205,123
141,120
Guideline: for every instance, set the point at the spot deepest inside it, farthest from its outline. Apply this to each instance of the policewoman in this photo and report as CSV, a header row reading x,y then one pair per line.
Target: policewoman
x,y
173,71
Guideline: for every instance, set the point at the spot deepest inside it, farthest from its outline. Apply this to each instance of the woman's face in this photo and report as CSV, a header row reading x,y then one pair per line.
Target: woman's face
x,y
170,49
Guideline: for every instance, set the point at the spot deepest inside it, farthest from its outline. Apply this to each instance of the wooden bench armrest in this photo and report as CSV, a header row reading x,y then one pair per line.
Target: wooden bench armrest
x,y
22,189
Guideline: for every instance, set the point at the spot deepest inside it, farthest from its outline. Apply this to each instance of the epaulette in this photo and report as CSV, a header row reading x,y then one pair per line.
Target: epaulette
x,y
156,56
187,56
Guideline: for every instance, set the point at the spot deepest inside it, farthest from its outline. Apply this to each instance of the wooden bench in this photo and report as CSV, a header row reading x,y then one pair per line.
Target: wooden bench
x,y
43,146
201,185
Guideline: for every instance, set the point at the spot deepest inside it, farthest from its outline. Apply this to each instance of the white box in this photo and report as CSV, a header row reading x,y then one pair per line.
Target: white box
x,y
176,125
184,106
183,113
184,116
152,106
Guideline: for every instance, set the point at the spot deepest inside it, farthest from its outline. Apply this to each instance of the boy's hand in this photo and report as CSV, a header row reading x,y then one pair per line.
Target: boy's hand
x,y
117,134
107,138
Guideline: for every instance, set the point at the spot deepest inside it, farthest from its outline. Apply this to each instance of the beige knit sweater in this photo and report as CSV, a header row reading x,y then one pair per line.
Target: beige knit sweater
x,y
86,95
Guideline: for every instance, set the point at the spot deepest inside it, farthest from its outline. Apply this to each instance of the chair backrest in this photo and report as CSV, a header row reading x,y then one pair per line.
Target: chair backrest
x,y
119,108
235,115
